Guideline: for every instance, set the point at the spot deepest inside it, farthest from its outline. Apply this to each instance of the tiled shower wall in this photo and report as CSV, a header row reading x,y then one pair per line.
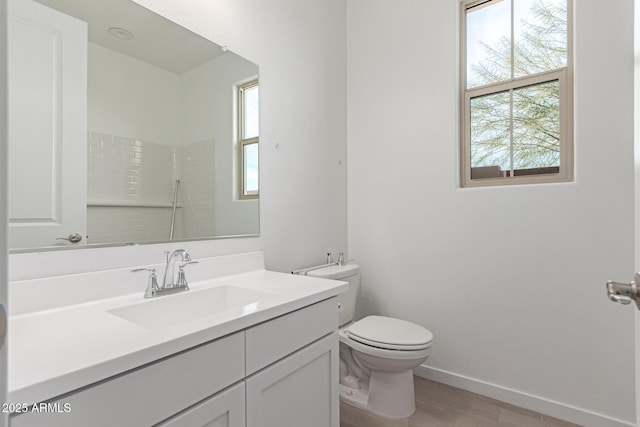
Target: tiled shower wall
x,y
131,185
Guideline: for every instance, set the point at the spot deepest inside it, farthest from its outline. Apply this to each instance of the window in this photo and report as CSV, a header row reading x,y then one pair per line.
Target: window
x,y
516,75
248,133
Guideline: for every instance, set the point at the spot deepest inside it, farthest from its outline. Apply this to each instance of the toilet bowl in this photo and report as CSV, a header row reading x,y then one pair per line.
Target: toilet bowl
x,y
377,353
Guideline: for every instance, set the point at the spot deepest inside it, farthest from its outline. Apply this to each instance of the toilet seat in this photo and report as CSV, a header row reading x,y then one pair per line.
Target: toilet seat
x,y
389,334
382,352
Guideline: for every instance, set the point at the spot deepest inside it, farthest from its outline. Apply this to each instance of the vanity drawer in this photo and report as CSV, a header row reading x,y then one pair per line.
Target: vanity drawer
x,y
152,393
277,338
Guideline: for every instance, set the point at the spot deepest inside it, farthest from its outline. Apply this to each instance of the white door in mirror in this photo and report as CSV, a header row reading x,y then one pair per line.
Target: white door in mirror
x,y
47,125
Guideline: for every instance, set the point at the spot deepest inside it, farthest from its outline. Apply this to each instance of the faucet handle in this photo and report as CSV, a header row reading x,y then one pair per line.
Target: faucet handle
x,y
137,270
184,264
182,279
152,283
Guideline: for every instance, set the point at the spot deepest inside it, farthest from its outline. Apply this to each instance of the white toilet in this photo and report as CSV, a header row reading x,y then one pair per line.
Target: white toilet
x,y
377,354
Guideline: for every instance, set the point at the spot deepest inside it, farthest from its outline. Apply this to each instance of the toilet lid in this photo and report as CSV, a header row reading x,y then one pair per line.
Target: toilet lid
x,y
390,333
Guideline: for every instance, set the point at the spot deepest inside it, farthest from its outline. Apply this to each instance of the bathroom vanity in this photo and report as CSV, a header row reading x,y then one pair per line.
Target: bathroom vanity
x,y
244,347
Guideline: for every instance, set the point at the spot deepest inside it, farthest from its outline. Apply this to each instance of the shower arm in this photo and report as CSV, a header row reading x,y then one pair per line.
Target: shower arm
x,y
173,210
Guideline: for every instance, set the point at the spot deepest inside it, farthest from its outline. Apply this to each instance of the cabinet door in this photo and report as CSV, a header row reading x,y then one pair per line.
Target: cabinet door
x,y
47,71
300,390
225,409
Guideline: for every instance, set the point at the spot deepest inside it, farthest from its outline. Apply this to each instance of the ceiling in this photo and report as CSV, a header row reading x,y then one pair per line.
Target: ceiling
x,y
157,40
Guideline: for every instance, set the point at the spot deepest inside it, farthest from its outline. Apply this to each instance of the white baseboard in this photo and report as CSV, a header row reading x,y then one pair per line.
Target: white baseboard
x,y
545,406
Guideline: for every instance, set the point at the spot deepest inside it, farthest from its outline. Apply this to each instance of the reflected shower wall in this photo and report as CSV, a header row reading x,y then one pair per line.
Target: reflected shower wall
x,y
130,190
131,185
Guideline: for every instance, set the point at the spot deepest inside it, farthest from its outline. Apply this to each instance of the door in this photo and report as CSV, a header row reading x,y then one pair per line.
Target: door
x,y
47,60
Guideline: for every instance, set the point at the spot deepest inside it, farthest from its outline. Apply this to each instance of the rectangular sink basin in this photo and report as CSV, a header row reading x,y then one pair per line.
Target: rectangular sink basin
x,y
191,305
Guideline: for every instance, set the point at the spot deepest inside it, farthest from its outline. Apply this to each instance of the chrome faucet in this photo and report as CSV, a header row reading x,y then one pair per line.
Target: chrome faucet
x,y
171,282
170,266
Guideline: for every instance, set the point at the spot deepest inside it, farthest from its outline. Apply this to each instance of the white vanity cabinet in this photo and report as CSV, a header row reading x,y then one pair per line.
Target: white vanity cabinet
x,y
279,373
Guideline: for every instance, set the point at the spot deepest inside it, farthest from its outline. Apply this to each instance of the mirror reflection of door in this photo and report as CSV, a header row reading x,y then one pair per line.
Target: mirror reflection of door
x,y
47,126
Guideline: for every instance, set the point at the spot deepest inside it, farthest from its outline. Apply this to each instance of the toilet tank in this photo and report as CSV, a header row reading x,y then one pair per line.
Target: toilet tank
x,y
347,300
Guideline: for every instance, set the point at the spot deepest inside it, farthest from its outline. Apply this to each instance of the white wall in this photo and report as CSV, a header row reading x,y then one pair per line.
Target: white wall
x,y
509,280
124,98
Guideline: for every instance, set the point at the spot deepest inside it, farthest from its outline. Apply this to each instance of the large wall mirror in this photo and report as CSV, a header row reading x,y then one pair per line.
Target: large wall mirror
x,y
123,128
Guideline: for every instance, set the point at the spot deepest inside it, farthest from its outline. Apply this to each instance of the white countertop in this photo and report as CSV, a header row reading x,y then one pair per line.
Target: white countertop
x,y
56,351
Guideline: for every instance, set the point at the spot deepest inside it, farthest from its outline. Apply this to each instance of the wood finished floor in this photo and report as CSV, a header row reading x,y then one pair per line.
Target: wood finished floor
x,y
439,405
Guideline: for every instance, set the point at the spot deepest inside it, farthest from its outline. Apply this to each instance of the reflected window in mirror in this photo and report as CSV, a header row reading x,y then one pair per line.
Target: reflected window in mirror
x,y
248,133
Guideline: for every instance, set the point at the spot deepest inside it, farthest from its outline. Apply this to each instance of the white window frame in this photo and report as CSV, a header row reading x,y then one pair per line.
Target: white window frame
x,y
563,75
242,141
